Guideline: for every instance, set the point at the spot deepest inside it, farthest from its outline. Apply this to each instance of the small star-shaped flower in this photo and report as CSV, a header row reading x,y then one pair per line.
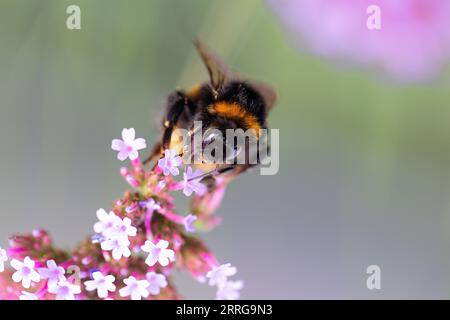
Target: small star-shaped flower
x,y
170,162
229,290
156,282
218,275
25,272
123,229
106,222
65,290
28,296
111,226
137,289
150,204
101,283
3,259
131,208
53,273
119,247
191,184
188,221
128,147
158,253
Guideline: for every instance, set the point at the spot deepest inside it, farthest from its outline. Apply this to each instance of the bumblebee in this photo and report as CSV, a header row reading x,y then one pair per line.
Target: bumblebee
x,y
224,102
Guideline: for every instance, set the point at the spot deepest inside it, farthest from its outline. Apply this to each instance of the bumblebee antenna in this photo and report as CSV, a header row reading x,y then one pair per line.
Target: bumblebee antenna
x,y
217,70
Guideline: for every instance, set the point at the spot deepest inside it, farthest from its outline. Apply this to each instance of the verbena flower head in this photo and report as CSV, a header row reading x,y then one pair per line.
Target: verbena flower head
x,y
128,147
170,162
103,284
25,272
137,245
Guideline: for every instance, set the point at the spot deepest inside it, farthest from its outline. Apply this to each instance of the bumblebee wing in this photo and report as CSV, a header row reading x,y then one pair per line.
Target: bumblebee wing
x,y
218,71
267,92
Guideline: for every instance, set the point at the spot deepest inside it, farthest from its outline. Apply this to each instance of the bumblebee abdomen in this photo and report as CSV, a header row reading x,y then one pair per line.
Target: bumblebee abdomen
x,y
242,94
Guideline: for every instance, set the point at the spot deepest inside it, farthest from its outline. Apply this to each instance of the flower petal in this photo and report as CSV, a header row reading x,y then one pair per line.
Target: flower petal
x,y
128,135
117,145
122,155
16,264
17,276
26,282
133,155
139,144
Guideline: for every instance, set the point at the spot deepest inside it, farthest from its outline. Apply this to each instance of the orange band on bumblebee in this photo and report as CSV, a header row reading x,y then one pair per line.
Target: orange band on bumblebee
x,y
194,92
236,112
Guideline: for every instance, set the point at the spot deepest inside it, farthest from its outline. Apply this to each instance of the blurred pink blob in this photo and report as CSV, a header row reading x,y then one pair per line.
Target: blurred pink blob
x,y
411,45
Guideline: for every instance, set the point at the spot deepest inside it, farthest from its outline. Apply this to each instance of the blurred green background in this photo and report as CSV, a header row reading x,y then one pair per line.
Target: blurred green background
x,y
365,163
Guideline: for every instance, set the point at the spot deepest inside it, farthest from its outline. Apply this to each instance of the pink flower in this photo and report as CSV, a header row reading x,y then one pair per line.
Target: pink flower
x,y
412,43
156,282
28,296
128,147
170,162
53,273
137,289
66,291
119,247
158,253
218,275
188,221
123,229
150,204
25,272
98,259
106,222
229,290
191,184
112,227
101,283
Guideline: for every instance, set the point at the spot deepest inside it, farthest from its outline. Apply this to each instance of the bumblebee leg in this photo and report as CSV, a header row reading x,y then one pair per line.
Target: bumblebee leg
x,y
178,106
179,111
234,172
228,174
